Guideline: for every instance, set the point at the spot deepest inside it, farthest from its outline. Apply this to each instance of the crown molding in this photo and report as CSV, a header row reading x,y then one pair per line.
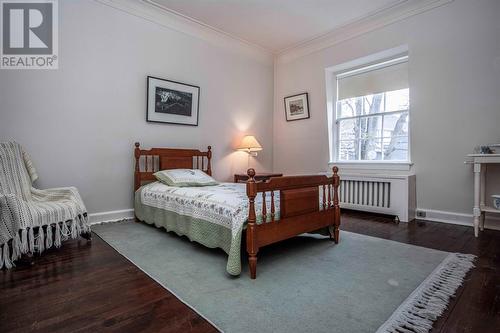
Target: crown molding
x,y
153,12
374,21
205,25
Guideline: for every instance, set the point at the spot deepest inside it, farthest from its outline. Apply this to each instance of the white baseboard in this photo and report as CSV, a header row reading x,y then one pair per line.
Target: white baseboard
x,y
111,216
492,221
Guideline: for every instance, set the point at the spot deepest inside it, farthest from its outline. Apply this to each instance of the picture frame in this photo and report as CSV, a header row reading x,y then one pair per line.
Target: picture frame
x,y
172,102
297,107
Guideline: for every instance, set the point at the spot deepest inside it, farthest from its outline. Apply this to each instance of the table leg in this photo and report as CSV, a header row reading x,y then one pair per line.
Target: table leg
x,y
483,194
476,211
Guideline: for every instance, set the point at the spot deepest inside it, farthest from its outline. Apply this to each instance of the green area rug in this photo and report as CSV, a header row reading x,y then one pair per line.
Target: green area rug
x,y
306,284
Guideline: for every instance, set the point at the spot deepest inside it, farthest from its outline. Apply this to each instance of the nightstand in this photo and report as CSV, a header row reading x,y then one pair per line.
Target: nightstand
x,y
242,178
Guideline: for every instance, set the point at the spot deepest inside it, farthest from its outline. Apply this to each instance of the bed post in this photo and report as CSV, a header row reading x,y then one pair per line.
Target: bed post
x,y
137,176
209,157
336,207
252,248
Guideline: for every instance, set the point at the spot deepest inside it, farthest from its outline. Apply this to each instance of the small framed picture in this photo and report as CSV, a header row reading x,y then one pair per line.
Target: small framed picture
x,y
172,102
297,107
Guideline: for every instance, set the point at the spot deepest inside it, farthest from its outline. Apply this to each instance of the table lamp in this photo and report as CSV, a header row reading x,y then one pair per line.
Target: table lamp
x,y
250,145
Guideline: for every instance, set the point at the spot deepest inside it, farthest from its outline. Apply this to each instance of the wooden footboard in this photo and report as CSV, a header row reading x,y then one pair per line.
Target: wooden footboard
x,y
299,206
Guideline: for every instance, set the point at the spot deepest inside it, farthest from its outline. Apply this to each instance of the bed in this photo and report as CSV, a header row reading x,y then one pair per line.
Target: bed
x,y
219,216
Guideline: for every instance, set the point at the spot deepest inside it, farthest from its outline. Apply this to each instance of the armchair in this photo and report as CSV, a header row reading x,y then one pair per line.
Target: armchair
x,y
32,220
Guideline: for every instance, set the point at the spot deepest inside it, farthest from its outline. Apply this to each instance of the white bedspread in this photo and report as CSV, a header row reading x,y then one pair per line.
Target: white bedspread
x,y
225,204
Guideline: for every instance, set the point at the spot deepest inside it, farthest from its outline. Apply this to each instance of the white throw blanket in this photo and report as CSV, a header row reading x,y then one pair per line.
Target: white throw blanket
x,y
28,215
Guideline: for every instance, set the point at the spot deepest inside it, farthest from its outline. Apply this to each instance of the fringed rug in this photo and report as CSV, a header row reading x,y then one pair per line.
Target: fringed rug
x,y
307,284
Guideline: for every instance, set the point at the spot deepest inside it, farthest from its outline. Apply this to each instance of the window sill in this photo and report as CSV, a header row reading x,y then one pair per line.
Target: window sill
x,y
368,166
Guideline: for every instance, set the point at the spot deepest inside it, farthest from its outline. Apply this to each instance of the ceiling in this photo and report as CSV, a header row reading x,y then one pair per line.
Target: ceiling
x,y
275,25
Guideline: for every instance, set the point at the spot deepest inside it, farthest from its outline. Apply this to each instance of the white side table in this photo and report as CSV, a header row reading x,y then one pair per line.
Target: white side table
x,y
480,162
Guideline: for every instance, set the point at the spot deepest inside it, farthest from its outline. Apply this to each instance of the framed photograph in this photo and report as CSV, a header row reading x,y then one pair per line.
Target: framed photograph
x,y
297,107
172,102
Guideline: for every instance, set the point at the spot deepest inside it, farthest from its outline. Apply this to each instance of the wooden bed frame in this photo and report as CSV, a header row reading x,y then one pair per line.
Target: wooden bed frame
x,y
299,197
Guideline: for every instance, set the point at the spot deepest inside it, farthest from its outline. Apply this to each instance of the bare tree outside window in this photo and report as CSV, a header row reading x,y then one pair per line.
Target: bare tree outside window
x,y
374,127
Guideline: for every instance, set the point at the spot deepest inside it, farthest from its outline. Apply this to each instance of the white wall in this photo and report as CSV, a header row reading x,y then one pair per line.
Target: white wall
x,y
454,72
79,123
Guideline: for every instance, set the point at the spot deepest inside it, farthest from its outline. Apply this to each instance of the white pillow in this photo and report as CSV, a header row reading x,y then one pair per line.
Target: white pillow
x,y
184,177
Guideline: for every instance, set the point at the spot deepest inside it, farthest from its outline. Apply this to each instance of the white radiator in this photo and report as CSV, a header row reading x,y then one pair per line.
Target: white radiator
x,y
385,194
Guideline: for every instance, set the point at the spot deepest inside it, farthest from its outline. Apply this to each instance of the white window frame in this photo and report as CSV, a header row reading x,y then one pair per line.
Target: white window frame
x,y
368,63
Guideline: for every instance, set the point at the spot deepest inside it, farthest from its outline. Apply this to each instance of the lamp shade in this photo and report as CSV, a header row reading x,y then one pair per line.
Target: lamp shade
x,y
249,143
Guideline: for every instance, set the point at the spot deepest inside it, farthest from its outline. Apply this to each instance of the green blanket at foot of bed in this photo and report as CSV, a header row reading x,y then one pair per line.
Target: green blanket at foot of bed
x,y
208,234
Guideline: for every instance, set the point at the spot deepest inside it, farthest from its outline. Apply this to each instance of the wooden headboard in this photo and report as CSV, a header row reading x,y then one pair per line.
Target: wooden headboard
x,y
147,162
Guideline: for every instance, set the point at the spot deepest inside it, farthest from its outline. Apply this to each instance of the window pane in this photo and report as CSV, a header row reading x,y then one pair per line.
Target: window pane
x,y
373,103
348,150
349,107
397,100
376,100
396,148
370,150
348,129
396,124
370,127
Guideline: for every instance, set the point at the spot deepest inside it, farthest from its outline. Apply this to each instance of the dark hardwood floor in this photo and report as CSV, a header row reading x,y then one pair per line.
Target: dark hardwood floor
x,y
92,288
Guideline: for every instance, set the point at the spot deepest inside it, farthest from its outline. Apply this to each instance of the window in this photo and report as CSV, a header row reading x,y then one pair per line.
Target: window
x,y
371,114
